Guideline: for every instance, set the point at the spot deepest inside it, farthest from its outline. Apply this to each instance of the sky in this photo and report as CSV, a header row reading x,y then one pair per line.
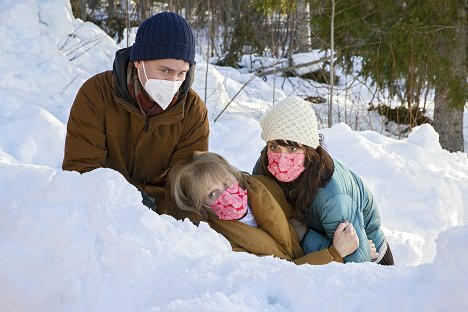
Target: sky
x,y
72,242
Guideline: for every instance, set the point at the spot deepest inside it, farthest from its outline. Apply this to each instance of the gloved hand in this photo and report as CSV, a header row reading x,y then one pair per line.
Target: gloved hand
x,y
148,201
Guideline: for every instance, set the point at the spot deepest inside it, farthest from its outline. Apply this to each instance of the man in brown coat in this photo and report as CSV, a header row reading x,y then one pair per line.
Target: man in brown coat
x,y
141,117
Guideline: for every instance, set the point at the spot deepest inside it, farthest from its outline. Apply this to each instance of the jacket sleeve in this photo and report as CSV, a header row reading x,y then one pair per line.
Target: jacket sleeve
x,y
85,147
341,208
194,138
323,256
238,248
195,134
275,190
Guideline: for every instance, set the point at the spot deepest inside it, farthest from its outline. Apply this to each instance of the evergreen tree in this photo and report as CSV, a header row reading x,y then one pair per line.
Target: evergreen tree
x,y
405,47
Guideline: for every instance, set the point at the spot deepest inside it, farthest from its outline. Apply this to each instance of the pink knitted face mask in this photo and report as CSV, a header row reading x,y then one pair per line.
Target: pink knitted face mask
x,y
286,167
232,204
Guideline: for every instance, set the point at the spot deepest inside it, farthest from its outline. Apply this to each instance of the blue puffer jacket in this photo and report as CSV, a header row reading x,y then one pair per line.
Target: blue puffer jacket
x,y
346,197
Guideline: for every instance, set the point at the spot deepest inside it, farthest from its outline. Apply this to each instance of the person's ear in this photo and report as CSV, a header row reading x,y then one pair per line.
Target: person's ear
x,y
137,64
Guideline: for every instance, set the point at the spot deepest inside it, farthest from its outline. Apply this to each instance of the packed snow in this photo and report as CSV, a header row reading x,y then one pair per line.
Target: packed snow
x,y
72,242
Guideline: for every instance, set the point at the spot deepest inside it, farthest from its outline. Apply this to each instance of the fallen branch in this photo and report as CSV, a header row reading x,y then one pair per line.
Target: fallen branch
x,y
260,73
292,67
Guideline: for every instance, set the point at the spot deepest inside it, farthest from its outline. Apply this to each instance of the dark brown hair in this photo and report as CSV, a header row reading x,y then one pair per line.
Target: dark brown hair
x,y
317,173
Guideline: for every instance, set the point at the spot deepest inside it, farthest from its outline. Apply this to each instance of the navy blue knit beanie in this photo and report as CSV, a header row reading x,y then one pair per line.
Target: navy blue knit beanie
x,y
164,35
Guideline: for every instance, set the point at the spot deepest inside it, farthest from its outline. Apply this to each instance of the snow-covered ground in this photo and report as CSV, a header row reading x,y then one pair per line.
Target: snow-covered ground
x,y
71,242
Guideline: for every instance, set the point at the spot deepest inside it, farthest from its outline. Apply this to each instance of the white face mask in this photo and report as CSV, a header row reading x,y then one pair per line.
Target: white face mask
x,y
161,91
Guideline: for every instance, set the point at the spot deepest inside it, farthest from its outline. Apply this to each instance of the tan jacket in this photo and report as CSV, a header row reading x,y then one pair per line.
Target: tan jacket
x,y
106,130
274,235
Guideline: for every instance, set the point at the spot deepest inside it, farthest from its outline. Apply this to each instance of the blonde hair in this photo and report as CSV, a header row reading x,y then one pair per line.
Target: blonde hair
x,y
191,178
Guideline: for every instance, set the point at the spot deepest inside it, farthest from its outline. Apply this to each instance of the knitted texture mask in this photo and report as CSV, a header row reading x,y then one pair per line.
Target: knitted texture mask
x,y
162,36
291,119
286,167
232,204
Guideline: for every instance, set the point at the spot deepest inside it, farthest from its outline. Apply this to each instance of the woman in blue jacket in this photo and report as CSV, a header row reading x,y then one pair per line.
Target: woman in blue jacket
x,y
323,192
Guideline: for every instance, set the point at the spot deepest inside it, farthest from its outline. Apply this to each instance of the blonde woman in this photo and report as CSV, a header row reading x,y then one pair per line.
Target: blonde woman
x,y
251,212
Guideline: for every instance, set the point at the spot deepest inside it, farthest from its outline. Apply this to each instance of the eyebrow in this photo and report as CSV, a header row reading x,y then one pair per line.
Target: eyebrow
x,y
212,189
172,70
216,188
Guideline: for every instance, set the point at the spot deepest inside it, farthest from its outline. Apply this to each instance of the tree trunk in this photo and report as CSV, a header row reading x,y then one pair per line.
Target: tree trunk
x,y
75,5
227,24
448,111
448,122
303,41
110,8
332,64
83,10
188,11
142,9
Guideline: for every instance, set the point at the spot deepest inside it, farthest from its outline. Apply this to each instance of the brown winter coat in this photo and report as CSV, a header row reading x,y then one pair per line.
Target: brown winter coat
x,y
107,129
274,235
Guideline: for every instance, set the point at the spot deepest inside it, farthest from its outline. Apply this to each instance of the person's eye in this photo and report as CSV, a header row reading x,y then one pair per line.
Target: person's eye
x,y
165,71
293,149
212,195
182,75
273,147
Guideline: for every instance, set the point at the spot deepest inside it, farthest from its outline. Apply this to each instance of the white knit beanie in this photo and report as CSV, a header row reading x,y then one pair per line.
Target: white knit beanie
x,y
291,119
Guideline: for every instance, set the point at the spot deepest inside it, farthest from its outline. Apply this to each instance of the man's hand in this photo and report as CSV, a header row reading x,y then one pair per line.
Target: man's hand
x,y
345,239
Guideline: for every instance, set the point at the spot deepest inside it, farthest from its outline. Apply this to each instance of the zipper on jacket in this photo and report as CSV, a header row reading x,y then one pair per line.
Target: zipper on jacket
x,y
146,123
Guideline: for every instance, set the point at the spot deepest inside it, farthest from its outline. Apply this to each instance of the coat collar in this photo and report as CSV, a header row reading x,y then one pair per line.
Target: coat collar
x,y
273,234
